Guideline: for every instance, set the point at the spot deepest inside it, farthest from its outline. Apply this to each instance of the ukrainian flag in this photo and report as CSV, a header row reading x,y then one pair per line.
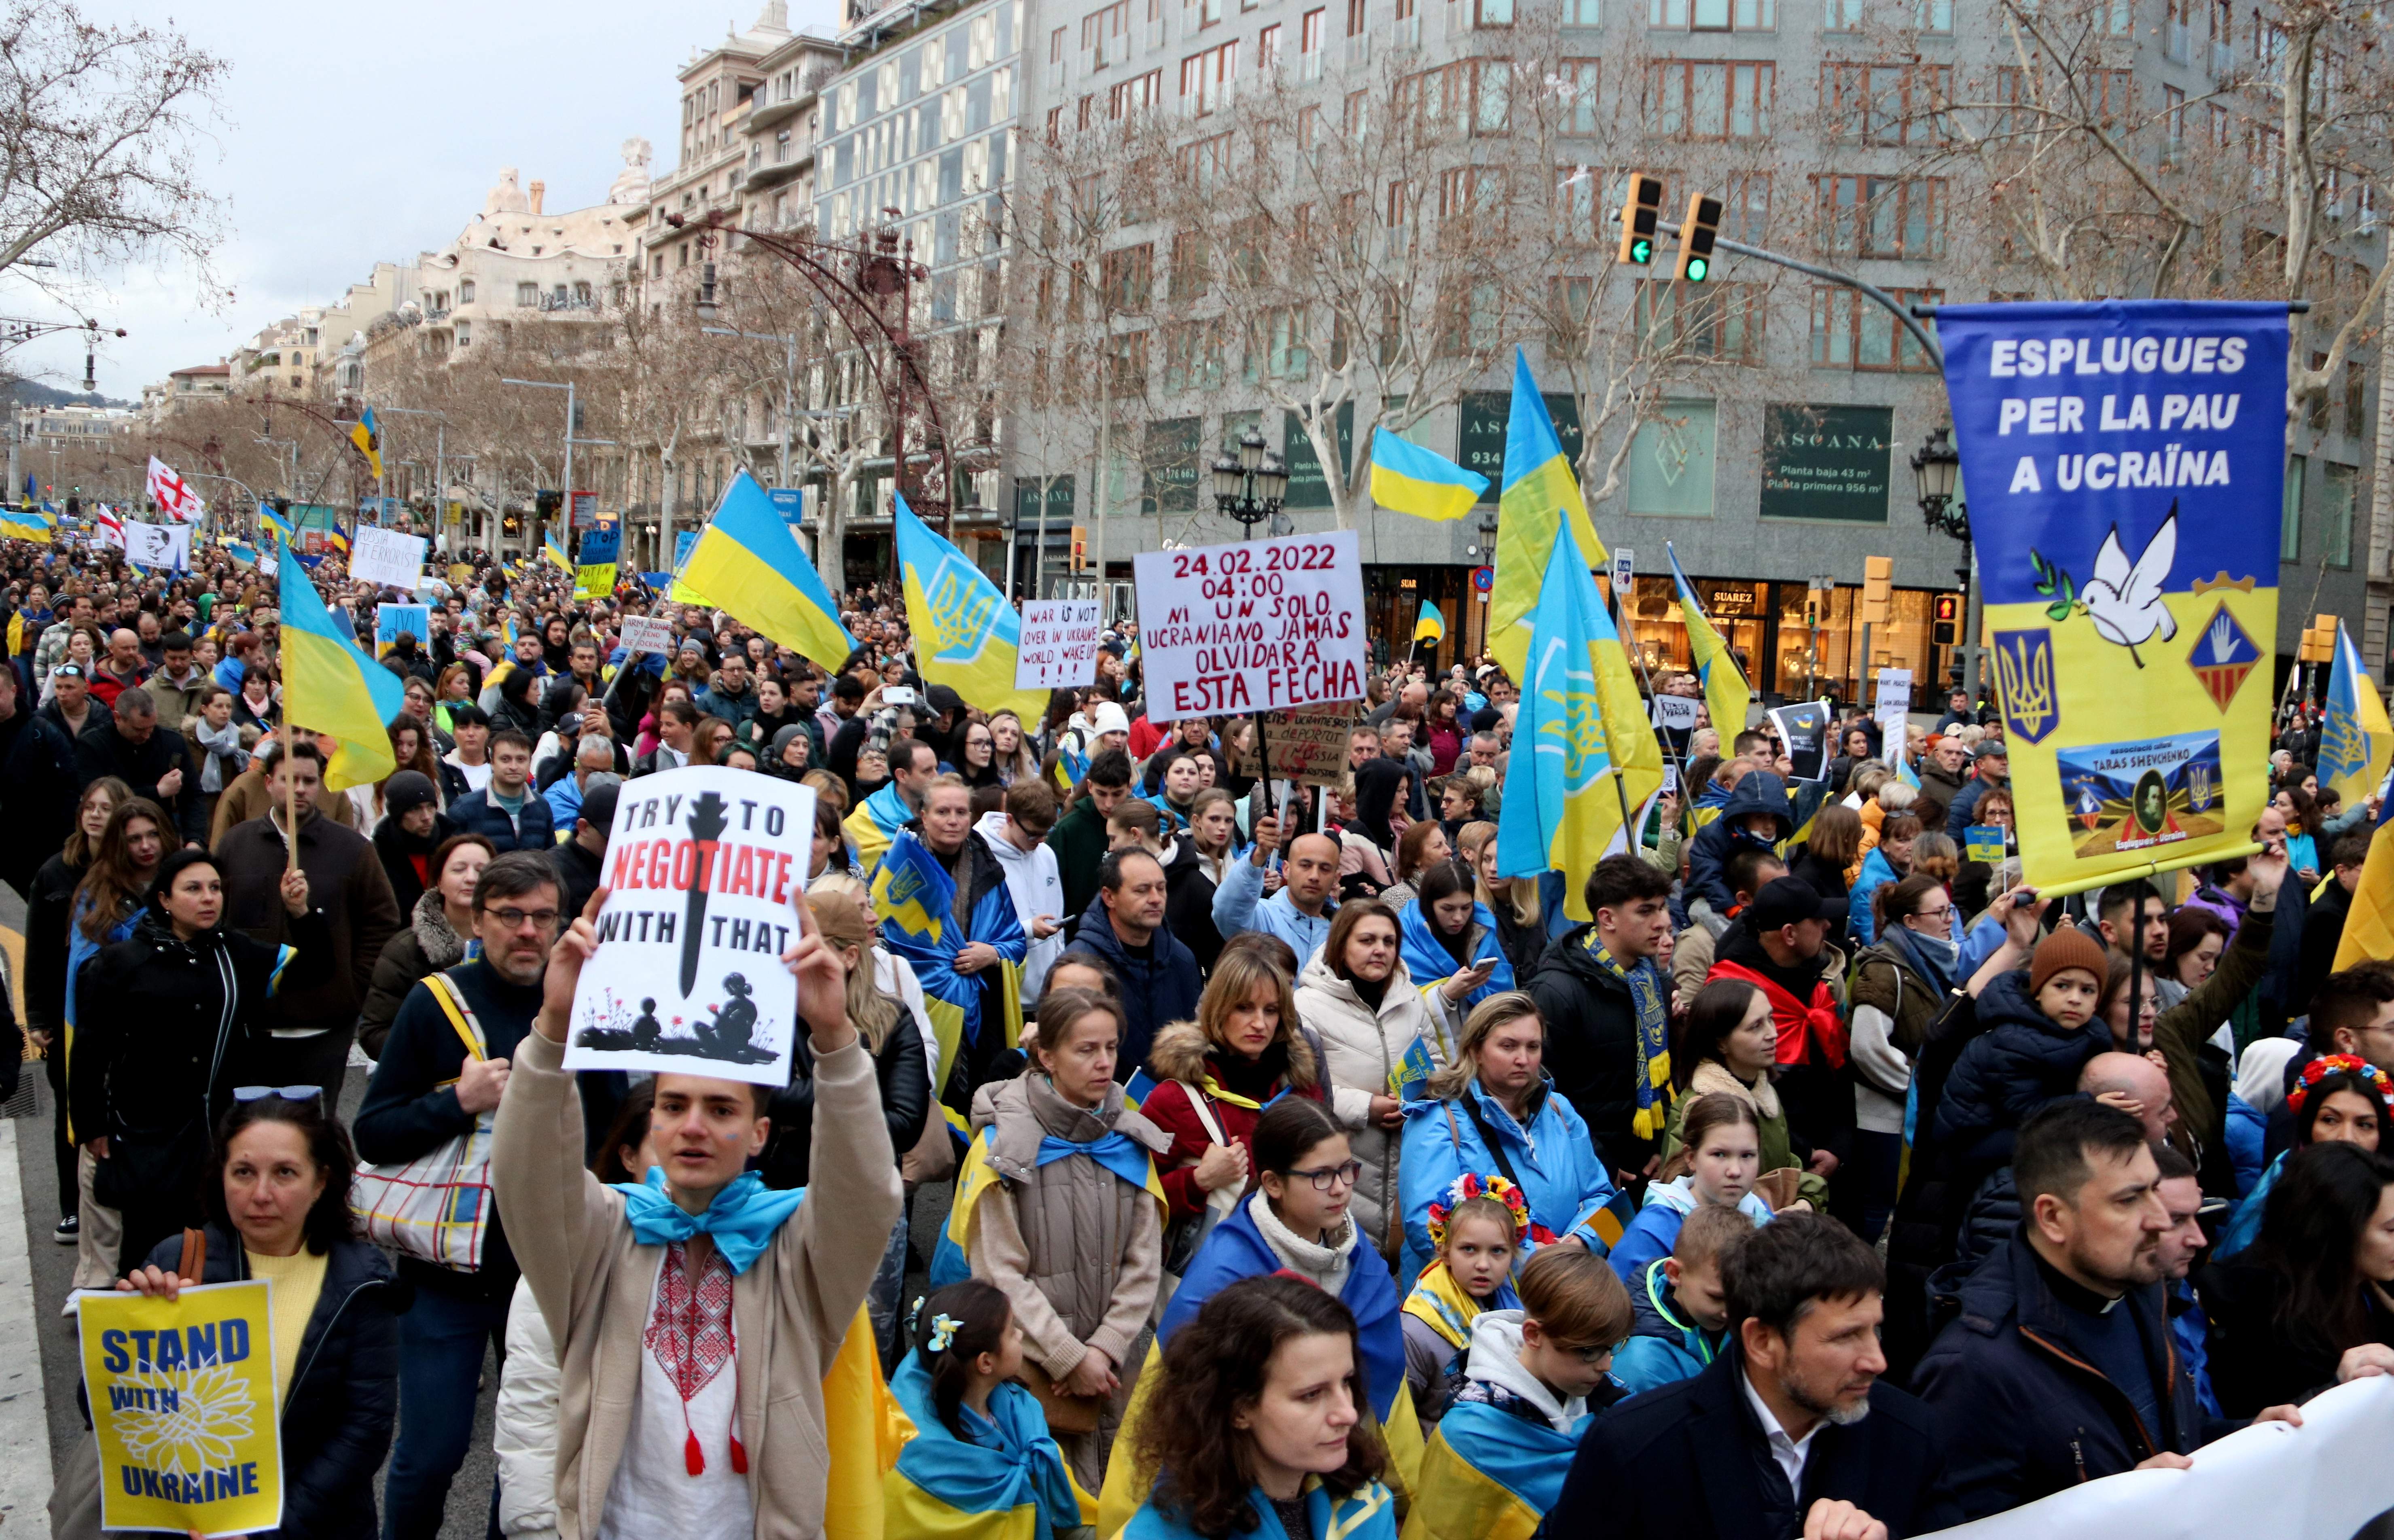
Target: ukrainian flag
x,y
2369,927
339,541
1591,749
277,527
1541,494
746,561
965,633
330,686
244,553
864,1429
1726,693
1489,1475
1409,478
554,548
1431,626
2356,742
27,524
367,435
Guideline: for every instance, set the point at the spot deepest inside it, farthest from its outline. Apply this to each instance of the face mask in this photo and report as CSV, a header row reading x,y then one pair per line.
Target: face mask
x,y
1741,834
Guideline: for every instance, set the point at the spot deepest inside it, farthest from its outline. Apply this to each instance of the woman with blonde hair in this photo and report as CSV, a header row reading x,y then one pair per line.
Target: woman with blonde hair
x,y
1520,923
1492,1114
1886,799
1215,1075
1011,747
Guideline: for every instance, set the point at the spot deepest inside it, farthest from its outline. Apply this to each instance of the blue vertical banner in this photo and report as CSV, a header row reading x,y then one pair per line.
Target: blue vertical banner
x,y
2125,462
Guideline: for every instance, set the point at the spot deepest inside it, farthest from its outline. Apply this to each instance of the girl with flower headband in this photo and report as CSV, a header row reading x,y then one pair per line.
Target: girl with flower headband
x,y
980,1461
1478,1231
2338,1099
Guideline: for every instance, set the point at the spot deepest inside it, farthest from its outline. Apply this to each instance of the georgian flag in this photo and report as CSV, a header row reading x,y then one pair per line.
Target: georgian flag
x,y
174,497
107,528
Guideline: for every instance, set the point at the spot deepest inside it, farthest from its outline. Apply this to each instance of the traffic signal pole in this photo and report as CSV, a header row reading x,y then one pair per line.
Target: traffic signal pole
x,y
1879,295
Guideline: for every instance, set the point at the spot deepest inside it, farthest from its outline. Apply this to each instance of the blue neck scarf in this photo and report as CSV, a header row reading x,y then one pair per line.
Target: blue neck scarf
x,y
742,1218
1118,1152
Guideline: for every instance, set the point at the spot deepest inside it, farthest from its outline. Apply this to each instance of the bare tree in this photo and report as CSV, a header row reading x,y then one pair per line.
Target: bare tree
x,y
99,129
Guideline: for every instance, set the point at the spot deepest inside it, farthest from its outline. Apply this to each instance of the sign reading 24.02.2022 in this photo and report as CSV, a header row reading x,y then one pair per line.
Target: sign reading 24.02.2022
x,y
2124,462
1261,626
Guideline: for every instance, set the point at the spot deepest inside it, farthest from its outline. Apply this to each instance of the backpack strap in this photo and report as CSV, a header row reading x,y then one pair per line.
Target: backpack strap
x,y
452,1001
194,1260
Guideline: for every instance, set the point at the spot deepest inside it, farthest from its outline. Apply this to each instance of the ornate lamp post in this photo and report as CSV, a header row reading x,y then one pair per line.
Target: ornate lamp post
x,y
1937,475
1250,486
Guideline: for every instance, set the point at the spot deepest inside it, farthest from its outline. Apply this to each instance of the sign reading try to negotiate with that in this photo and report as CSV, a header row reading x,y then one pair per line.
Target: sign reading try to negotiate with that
x,y
1058,644
1257,626
702,866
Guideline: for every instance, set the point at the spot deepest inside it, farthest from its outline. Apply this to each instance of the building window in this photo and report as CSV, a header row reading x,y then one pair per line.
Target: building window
x,y
1493,13
465,333
1881,216
1714,16
1579,83
1309,43
1842,16
1888,103
2343,492
1933,16
1745,207
1718,322
1583,13
1268,47
1126,279
2290,516
1850,331
527,294
1710,99
1206,78
2356,400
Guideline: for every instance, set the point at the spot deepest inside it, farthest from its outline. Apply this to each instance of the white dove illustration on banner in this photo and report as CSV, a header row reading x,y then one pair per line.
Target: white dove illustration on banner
x,y
2124,602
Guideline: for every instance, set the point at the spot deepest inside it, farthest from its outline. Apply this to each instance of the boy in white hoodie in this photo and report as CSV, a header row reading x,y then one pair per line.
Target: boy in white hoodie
x,y
1522,1395
1017,837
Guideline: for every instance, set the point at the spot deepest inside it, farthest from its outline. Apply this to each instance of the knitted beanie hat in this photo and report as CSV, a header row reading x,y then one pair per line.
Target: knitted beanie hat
x,y
2067,947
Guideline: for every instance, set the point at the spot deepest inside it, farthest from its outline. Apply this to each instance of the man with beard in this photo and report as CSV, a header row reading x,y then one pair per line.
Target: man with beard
x,y
1790,1432
2058,1363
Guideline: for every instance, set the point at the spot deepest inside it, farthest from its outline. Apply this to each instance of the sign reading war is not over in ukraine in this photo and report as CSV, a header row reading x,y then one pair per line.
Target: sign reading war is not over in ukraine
x,y
702,866
2124,462
1261,626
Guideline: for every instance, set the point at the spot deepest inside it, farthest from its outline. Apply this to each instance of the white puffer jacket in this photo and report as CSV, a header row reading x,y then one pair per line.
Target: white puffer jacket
x,y
1364,1049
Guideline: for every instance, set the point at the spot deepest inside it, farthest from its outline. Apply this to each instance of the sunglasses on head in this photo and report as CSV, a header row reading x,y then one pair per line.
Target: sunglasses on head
x,y
288,1093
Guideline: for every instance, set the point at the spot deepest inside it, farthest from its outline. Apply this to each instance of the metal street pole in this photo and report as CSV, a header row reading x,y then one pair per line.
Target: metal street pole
x,y
568,387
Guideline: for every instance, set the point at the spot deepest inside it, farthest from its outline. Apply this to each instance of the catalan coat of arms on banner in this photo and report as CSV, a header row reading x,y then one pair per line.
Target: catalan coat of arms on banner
x,y
2024,675
2223,654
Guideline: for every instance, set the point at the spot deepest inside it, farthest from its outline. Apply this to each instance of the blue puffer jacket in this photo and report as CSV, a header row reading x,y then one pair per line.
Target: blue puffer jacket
x,y
2018,1061
1665,1344
1877,872
1708,853
1562,1175
2040,1417
533,829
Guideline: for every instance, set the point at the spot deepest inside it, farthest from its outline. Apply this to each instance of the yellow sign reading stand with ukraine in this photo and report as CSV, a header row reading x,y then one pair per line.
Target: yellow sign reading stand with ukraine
x,y
185,1410
2124,461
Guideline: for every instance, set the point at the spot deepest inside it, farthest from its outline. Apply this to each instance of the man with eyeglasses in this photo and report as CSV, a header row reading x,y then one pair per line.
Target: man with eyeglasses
x,y
312,1028
427,1091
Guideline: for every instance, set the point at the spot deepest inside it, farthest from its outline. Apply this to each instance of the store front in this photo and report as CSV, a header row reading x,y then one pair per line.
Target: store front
x,y
1393,601
1796,643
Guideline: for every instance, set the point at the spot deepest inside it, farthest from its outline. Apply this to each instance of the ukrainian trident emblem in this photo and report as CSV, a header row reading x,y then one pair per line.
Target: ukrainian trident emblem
x,y
2025,676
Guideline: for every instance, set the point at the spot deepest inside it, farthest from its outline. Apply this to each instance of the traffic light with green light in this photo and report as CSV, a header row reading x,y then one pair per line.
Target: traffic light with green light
x,y
1639,213
1697,232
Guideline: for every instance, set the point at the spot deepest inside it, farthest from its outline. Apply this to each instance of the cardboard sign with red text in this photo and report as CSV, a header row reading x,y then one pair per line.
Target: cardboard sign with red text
x,y
1261,626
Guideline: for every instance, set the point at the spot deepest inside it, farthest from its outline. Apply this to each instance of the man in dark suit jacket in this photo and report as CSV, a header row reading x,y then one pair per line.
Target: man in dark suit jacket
x,y
1789,1433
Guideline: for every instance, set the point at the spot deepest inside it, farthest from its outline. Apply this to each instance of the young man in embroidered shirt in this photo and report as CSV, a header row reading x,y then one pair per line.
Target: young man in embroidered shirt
x,y
694,1317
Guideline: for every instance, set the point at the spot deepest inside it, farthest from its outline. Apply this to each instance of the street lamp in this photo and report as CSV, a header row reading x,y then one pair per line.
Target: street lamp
x,y
1250,486
1937,473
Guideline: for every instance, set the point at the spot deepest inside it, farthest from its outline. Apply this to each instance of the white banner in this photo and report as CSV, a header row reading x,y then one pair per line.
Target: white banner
x,y
643,635
167,545
1262,626
2322,1480
1059,649
701,866
386,557
1893,710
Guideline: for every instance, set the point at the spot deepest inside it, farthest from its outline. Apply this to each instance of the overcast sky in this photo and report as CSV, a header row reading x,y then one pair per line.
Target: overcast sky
x,y
353,133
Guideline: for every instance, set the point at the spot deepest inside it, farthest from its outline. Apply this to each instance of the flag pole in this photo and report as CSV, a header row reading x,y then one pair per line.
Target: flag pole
x,y
291,799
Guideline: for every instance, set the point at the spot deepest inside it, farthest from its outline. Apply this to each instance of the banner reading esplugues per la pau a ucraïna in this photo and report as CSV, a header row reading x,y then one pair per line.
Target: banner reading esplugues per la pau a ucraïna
x,y
2123,463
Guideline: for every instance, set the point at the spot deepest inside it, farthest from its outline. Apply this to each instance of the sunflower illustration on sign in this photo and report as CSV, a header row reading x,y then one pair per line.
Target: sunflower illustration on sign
x,y
185,1420
2124,598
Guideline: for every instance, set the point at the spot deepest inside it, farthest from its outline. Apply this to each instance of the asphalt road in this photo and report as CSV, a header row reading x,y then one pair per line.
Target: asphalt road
x,y
52,1268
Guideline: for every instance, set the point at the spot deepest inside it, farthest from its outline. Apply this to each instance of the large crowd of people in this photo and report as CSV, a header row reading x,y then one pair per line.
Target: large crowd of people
x,y
1233,1157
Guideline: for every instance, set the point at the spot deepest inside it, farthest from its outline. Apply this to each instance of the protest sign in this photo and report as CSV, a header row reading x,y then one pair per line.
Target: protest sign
x,y
184,1409
1676,713
167,545
701,866
1983,842
1892,710
1058,645
2125,461
643,635
385,556
1261,626
594,563
392,619
1804,732
1309,747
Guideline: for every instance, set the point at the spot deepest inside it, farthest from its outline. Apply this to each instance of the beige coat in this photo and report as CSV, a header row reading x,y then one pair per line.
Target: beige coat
x,y
791,1309
1363,1048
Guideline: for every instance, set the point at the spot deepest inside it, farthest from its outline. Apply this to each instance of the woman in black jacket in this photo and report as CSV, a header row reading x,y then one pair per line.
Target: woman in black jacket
x,y
49,911
2285,1311
901,1053
276,1196
1193,868
165,1018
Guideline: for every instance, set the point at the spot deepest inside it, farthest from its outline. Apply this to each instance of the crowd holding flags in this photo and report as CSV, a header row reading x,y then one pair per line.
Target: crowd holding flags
x,y
330,686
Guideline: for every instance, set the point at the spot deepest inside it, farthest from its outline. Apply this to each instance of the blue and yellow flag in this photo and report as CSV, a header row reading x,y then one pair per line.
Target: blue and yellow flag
x,y
1489,1475
367,435
2369,924
1541,495
2356,742
1431,626
2127,548
339,541
966,636
27,524
1727,694
1591,752
277,527
330,686
747,562
553,546
1409,478
243,553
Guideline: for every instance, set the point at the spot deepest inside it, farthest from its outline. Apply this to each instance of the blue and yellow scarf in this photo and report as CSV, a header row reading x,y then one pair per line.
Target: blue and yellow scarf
x,y
1654,1042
